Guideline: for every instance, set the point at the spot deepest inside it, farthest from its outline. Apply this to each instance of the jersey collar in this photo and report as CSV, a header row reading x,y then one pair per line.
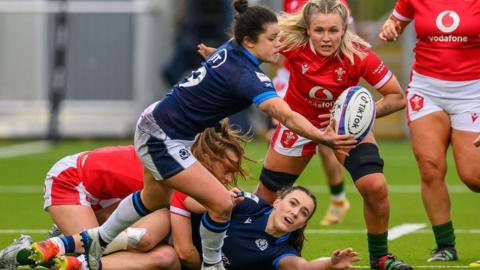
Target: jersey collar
x,y
277,240
250,56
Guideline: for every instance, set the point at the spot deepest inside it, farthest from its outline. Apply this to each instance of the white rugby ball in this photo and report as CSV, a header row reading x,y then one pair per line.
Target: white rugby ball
x,y
354,112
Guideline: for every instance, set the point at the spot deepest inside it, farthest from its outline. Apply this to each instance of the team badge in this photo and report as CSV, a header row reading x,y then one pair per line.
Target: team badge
x,y
416,102
340,72
262,244
288,138
183,153
474,117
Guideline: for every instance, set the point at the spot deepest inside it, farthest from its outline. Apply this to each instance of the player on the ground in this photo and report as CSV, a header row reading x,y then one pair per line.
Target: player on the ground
x,y
443,102
260,236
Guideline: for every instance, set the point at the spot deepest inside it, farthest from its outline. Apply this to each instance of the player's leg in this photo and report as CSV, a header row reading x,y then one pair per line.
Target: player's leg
x,y
339,205
366,168
465,154
287,157
200,184
430,149
159,258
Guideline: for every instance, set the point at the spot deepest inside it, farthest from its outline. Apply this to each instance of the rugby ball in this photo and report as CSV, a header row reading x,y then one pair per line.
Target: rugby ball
x,y
354,112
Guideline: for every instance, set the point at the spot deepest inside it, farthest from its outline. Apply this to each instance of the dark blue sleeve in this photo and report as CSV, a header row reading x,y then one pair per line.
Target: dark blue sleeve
x,y
255,86
282,251
250,205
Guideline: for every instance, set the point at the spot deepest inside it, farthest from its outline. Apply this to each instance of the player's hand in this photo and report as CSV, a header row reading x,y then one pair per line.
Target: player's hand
x,y
341,143
236,195
391,30
325,120
204,50
343,258
477,141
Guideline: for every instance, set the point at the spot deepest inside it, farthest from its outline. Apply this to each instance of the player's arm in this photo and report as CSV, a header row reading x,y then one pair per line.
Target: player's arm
x,y
392,29
393,98
183,243
477,141
279,109
340,259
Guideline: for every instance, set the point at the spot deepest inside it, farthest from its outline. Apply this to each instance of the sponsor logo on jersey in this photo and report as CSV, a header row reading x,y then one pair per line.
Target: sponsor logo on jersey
x,y
340,72
416,102
288,138
447,22
218,58
474,117
184,153
262,77
248,221
305,68
262,244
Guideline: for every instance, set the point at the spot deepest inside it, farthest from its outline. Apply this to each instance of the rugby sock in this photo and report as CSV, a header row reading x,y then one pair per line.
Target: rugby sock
x,y
444,235
128,211
212,234
377,246
337,192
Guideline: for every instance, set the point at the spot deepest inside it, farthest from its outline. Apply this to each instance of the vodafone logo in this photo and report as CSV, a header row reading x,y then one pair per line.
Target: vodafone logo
x,y
448,21
320,93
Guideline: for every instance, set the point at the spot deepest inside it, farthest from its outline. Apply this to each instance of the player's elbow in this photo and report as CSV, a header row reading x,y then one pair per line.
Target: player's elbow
x,y
185,253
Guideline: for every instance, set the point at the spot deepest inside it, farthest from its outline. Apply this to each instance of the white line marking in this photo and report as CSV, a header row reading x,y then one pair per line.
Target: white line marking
x,y
404,229
24,149
362,231
23,231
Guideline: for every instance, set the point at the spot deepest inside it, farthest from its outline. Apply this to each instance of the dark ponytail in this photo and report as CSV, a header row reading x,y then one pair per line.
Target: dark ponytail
x,y
250,21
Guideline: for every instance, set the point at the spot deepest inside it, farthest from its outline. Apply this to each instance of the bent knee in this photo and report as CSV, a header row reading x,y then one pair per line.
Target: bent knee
x,y
163,257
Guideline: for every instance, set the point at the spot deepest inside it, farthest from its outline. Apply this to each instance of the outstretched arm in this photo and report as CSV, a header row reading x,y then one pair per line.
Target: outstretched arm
x,y
340,259
279,109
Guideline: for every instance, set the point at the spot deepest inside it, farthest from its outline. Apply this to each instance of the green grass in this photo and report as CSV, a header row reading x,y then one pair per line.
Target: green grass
x,y
24,210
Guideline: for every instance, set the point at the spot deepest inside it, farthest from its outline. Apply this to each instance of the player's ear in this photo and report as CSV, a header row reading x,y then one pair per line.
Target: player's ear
x,y
275,203
248,42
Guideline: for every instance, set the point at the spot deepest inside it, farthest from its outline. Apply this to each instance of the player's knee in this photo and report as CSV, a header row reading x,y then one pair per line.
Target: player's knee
x,y
431,170
164,257
221,209
275,181
364,160
146,243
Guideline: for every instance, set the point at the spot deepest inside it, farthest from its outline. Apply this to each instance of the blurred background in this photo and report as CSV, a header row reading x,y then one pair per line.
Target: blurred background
x,y
76,69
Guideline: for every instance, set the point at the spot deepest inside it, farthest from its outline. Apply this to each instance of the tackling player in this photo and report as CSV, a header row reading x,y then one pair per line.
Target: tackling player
x,y
443,102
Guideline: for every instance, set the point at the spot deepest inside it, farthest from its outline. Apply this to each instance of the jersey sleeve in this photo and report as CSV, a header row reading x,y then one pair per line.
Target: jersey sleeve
x,y
403,10
283,251
249,205
374,71
177,205
255,86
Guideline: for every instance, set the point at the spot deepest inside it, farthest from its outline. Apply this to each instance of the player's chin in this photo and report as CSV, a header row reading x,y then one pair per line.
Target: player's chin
x,y
273,59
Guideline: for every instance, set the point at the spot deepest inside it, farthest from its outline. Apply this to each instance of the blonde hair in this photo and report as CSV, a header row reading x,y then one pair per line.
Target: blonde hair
x,y
213,143
294,27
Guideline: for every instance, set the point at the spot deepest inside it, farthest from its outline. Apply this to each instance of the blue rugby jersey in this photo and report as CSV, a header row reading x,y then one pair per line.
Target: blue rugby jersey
x,y
226,83
247,245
